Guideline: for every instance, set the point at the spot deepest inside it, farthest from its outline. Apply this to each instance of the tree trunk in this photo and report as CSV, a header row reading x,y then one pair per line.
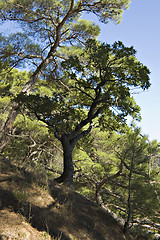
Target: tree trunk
x,y
68,168
6,129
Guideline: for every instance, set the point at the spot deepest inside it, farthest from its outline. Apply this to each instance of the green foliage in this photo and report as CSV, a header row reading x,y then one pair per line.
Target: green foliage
x,y
112,70
42,25
18,48
98,83
134,194
11,82
128,181
77,83
12,9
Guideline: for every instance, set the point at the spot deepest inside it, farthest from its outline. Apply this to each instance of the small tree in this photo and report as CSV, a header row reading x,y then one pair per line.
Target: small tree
x,y
141,191
99,83
130,189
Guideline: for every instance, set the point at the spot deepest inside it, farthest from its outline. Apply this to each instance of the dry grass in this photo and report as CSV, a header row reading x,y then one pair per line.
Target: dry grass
x,y
28,211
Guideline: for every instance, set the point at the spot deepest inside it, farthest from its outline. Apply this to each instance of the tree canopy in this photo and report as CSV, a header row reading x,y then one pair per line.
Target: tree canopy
x,y
99,82
46,26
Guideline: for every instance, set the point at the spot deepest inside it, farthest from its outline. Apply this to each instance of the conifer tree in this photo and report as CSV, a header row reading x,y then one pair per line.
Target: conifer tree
x,y
44,28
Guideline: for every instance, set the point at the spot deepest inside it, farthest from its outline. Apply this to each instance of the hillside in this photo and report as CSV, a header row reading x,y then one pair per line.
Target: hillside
x,y
31,211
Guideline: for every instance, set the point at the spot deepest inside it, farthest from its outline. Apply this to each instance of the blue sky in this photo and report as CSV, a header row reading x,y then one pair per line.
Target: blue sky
x,y
140,27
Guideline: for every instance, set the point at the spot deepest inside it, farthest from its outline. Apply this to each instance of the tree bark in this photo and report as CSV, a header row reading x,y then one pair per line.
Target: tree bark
x,y
68,142
68,168
6,129
129,210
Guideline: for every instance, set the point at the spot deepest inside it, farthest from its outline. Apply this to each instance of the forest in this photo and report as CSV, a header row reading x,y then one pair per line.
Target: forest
x,y
65,98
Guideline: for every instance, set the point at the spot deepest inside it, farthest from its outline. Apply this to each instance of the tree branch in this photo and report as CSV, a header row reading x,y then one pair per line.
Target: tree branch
x,y
82,134
56,134
105,180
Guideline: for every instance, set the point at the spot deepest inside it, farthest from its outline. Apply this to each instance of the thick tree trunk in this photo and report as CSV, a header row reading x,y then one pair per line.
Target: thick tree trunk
x,y
68,168
68,143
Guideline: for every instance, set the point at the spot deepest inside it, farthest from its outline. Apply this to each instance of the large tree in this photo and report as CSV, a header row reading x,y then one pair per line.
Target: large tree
x,y
100,84
45,27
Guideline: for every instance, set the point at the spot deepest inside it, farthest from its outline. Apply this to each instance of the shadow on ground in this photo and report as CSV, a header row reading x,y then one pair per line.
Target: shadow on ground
x,y
60,212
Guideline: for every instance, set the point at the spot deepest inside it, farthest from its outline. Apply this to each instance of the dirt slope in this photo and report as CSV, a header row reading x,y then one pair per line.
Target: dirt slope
x,y
30,212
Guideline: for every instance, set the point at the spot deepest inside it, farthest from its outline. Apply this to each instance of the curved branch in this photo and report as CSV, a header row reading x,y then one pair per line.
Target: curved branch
x,y
56,134
105,180
82,134
84,92
28,86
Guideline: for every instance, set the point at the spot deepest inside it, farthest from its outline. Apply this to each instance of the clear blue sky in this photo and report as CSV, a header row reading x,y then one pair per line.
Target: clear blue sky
x,y
140,27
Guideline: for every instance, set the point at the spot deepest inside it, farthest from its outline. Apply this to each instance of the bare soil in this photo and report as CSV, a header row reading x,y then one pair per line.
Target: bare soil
x,y
30,211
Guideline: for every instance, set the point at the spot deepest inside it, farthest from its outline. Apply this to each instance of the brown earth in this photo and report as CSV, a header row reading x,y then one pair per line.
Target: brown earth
x,y
29,211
